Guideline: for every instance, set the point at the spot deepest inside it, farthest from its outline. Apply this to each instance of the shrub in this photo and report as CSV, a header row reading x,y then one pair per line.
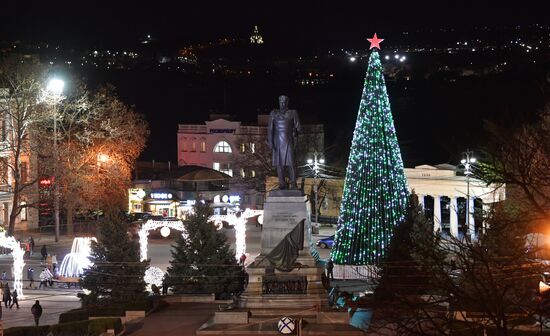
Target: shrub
x,y
70,329
73,315
27,331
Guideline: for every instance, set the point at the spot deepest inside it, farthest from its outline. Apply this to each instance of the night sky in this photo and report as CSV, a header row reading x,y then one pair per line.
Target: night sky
x,y
434,123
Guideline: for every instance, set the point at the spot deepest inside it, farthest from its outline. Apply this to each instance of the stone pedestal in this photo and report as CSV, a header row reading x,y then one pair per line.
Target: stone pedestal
x,y
303,295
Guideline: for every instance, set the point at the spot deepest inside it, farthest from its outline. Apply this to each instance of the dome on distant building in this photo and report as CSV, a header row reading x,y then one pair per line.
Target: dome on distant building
x,y
256,38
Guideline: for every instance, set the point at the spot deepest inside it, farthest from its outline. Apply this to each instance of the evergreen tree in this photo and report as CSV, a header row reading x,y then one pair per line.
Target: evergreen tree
x,y
202,262
400,273
116,275
375,189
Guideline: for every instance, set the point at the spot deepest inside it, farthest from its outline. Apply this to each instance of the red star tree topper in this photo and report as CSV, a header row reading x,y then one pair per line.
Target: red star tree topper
x,y
375,42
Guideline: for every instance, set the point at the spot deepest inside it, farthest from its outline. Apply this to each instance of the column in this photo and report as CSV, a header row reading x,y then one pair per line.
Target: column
x,y
421,201
453,212
472,226
437,213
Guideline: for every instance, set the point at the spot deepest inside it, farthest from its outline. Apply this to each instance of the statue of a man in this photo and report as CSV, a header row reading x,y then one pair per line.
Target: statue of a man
x,y
282,133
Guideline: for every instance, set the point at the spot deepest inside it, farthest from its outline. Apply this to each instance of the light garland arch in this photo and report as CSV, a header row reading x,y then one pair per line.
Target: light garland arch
x,y
153,225
239,224
18,262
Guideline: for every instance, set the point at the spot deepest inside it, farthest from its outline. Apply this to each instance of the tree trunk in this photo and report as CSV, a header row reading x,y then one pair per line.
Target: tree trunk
x,y
14,212
70,215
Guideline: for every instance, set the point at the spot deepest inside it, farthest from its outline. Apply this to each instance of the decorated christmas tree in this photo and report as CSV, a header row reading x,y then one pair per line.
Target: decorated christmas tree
x,y
375,194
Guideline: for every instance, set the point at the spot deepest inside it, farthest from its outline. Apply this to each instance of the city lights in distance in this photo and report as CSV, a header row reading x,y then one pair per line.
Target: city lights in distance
x,y
353,59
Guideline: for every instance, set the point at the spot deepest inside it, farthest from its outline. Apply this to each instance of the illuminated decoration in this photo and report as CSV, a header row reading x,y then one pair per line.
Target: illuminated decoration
x,y
140,193
375,42
256,38
17,253
286,326
165,231
239,224
153,225
45,182
234,199
261,219
375,189
153,276
225,198
76,261
161,195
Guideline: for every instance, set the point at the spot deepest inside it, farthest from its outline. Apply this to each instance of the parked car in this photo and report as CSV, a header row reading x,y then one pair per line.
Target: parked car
x,y
326,242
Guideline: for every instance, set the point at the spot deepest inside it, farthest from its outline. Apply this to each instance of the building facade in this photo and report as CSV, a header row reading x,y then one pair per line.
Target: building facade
x,y
441,191
240,151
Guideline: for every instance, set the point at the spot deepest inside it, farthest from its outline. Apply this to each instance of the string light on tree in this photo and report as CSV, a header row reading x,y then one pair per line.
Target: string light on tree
x,y
375,189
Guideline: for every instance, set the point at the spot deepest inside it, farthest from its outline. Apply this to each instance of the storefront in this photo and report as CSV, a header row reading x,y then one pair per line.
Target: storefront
x,y
161,204
135,200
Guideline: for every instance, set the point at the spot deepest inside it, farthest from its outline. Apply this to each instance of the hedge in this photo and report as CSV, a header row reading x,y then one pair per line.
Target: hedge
x,y
87,327
108,311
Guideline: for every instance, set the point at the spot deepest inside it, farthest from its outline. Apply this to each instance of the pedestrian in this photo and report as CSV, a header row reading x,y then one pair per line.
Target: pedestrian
x,y
6,296
31,240
4,277
30,276
49,262
54,262
14,296
242,259
330,267
43,278
36,311
44,253
27,249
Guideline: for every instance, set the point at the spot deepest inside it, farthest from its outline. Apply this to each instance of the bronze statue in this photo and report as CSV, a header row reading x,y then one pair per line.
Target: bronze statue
x,y
282,133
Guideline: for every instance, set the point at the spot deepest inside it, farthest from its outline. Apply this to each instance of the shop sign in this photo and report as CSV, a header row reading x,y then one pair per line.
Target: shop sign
x,y
163,196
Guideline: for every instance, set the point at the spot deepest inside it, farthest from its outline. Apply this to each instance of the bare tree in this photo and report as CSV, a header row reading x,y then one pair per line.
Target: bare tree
x,y
21,112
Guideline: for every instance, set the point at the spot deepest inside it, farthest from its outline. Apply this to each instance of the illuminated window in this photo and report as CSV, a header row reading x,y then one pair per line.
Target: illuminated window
x,y
222,147
243,174
243,148
252,173
252,147
203,146
184,146
216,166
194,147
226,168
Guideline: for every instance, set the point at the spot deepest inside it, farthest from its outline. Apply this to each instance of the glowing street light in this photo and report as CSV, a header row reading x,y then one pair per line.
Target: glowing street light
x,y
314,165
352,59
467,162
54,89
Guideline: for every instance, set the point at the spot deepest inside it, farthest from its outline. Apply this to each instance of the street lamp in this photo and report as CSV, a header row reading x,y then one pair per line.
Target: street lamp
x,y
467,162
314,166
101,158
54,89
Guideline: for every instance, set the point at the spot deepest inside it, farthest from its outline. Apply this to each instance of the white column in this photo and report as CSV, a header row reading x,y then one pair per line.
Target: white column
x,y
453,212
437,213
421,201
472,227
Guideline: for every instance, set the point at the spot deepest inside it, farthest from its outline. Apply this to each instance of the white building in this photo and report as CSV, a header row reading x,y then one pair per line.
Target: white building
x,y
220,142
443,193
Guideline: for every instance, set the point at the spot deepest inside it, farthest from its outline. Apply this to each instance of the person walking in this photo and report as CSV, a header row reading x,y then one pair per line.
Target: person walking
x,y
242,259
31,240
30,276
14,296
6,296
27,249
330,268
54,262
44,253
4,277
36,311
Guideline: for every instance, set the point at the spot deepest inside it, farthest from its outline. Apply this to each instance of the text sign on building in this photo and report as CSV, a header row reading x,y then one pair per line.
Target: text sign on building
x,y
162,196
222,130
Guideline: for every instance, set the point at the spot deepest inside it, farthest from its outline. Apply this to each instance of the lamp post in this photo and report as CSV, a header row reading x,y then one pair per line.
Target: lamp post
x,y
467,163
54,89
315,167
101,158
